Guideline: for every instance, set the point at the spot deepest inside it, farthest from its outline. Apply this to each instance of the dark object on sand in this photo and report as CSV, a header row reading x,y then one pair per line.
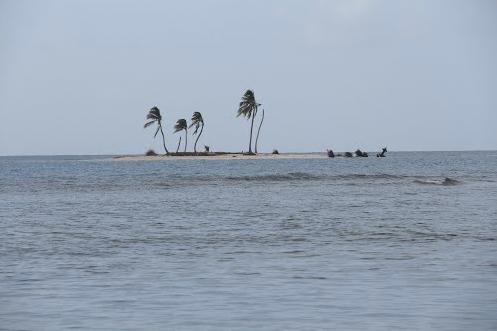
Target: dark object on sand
x,y
275,151
330,153
382,154
348,154
151,152
207,148
360,153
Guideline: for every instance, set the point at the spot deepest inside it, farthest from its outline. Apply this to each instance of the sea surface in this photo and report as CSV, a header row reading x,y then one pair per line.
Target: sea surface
x,y
403,242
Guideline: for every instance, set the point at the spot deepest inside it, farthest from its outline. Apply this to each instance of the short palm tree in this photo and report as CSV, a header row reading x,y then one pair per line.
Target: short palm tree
x,y
198,122
155,117
179,126
248,108
259,131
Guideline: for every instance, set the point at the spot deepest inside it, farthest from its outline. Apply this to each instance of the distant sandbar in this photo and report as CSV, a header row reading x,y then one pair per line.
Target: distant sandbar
x,y
222,156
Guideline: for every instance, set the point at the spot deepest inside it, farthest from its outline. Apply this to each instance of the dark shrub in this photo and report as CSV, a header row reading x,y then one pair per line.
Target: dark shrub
x,y
151,152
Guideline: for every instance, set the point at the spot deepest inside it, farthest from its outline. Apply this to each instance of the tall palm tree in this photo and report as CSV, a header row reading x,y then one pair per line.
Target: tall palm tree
x,y
155,117
179,126
248,108
198,122
258,131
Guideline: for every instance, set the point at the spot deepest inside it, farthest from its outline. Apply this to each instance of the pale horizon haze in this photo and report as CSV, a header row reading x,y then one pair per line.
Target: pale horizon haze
x,y
78,77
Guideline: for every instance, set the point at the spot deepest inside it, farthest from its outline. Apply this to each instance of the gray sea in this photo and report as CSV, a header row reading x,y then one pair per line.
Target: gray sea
x,y
403,242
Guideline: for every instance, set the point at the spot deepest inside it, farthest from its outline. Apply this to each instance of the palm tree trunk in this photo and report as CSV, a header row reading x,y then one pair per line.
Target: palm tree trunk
x,y
179,143
198,137
258,131
186,138
163,139
251,128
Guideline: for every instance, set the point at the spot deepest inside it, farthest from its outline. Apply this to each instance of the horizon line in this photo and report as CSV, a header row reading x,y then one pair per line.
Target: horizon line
x,y
287,152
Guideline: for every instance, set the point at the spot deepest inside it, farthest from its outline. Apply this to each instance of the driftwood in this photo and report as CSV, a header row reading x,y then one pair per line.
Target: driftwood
x,y
360,153
382,154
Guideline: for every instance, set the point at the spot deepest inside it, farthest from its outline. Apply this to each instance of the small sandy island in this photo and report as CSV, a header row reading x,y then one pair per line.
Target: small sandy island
x,y
222,156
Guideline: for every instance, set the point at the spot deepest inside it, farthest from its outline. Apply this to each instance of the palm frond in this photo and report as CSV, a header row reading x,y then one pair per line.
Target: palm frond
x,y
149,123
180,125
154,113
151,116
157,131
249,96
197,120
248,105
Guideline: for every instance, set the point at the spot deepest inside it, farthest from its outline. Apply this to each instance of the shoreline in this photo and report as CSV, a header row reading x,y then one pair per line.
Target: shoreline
x,y
223,156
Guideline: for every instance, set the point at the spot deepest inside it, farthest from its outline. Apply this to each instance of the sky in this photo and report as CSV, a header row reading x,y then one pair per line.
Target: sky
x,y
79,76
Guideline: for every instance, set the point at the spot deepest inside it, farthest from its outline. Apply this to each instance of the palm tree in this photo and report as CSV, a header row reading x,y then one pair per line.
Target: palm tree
x,y
198,122
248,108
258,131
155,117
179,126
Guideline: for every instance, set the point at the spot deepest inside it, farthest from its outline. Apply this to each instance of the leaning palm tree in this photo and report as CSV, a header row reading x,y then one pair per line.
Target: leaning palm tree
x,y
198,122
258,131
179,126
248,108
155,117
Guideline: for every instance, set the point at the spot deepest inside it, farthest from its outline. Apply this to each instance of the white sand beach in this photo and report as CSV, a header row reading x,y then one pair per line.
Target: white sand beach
x,y
230,156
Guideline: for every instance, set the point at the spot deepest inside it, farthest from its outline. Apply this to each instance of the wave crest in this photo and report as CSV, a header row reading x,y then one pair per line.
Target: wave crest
x,y
443,182
295,176
277,177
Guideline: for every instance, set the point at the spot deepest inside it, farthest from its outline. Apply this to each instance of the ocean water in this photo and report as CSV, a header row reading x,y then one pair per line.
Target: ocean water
x,y
404,242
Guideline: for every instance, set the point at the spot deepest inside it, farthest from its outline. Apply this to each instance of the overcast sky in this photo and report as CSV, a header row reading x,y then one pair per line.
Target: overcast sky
x,y
78,77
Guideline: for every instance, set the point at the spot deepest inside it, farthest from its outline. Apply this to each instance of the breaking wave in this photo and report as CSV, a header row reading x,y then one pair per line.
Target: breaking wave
x,y
277,177
296,176
113,184
433,181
